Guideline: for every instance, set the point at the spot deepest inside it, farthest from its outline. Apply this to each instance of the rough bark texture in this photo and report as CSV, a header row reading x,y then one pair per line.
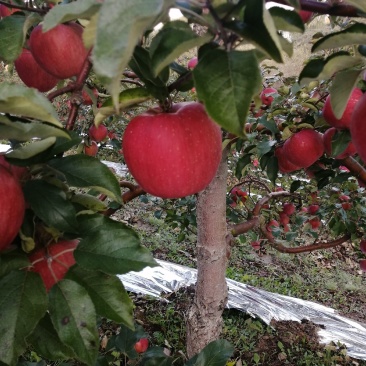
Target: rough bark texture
x,y
204,320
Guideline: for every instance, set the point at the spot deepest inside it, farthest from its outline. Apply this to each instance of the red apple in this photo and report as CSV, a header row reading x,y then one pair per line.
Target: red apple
x,y
363,246
142,345
267,95
98,133
312,209
272,224
192,63
363,264
284,219
305,15
87,100
345,120
12,205
33,75
284,165
327,139
344,198
6,11
346,206
315,223
173,154
60,51
19,172
304,148
92,149
256,244
53,262
288,208
357,127
238,195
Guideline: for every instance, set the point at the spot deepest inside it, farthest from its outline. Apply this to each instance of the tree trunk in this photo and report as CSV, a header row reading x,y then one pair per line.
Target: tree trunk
x,y
204,320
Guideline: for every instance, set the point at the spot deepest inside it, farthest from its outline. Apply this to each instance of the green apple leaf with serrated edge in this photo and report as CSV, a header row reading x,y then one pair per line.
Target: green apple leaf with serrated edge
x,y
120,26
49,203
46,342
21,131
226,83
23,302
355,34
12,37
287,20
127,98
85,171
319,69
32,149
359,4
107,293
215,353
172,40
76,10
341,88
110,246
74,318
27,102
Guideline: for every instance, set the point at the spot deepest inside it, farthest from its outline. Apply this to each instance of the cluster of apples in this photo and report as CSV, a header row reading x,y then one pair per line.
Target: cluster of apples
x,y
238,196
96,134
42,64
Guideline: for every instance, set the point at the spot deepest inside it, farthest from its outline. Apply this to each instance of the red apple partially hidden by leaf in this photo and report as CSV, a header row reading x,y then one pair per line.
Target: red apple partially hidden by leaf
x,y
267,95
284,219
315,223
53,262
304,148
142,345
357,127
87,100
92,149
6,11
256,244
32,74
284,165
192,63
288,208
19,172
272,224
327,139
173,154
12,206
305,15
238,195
60,51
99,133
313,209
345,120
346,206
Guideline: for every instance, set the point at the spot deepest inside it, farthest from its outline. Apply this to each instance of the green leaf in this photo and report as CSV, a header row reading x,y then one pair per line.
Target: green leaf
x,y
110,246
342,86
340,141
120,26
215,353
21,131
286,20
226,82
89,202
46,342
127,338
270,125
173,39
30,150
107,293
264,147
241,164
12,37
73,316
85,171
272,168
71,11
49,203
155,356
355,34
259,29
127,98
23,302
11,260
22,101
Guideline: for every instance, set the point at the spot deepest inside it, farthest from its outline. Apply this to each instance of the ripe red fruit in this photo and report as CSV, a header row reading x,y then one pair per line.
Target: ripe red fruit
x,y
272,224
288,208
345,120
344,197
284,219
363,246
12,207
346,206
238,195
53,262
92,149
192,63
60,51
266,95
304,148
284,165
357,127
363,264
305,15
98,133
142,345
315,223
312,209
6,11
327,139
173,154
256,245
33,75
21,173
87,100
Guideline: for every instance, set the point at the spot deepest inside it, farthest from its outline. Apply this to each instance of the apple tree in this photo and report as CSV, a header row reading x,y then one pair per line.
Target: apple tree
x,y
61,251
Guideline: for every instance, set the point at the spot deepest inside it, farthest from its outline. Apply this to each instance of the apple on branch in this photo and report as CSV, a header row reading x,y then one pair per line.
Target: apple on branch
x,y
173,154
99,133
267,95
91,148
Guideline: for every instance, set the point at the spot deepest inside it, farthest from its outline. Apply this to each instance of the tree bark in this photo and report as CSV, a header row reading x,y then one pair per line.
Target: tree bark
x,y
204,319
